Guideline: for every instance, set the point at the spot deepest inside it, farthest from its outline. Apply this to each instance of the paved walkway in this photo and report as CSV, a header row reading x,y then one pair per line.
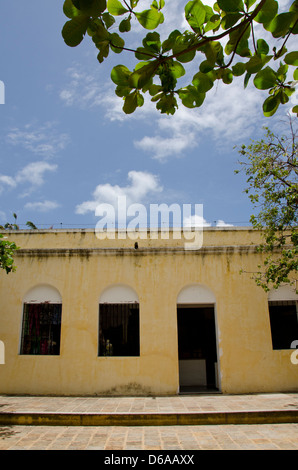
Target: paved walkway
x,y
173,404
279,428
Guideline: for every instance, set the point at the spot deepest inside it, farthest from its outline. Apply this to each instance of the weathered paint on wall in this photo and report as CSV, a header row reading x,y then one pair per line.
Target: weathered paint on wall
x,y
81,267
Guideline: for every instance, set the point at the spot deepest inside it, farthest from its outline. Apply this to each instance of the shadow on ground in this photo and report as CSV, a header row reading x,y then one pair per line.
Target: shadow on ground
x,y
7,431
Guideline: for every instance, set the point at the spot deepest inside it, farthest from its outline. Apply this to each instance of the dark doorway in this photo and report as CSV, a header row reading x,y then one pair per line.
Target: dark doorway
x,y
197,348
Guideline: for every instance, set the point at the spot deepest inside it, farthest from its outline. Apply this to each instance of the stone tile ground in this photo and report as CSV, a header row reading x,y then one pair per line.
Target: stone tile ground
x,y
204,437
219,437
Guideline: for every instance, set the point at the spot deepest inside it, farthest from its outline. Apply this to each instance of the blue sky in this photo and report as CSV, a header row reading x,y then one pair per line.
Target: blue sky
x,y
66,146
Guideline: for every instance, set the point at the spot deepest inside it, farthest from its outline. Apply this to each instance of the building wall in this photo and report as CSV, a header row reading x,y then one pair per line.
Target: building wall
x,y
81,267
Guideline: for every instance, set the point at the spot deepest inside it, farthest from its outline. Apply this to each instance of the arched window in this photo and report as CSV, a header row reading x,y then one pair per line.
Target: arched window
x,y
119,324
283,313
196,294
41,326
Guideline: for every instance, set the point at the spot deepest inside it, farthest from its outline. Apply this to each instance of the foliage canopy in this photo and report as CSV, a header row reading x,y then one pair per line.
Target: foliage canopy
x,y
271,167
7,248
161,63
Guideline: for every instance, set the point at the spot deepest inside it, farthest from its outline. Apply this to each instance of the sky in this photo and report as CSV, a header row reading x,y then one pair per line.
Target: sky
x,y
66,146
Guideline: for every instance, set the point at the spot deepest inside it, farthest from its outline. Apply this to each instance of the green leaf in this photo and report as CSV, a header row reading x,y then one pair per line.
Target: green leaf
x,y
97,7
202,82
231,5
294,6
142,75
282,72
283,96
214,52
239,41
70,10
295,74
104,49
169,43
187,56
167,104
101,34
90,7
270,105
150,19
213,23
191,97
262,47
152,42
176,69
116,43
125,25
108,19
267,12
292,58
82,3
239,69
230,20
249,3
130,103
116,8
265,79
280,25
246,79
256,63
120,75
154,89
206,66
144,54
122,91
195,14
227,76
74,30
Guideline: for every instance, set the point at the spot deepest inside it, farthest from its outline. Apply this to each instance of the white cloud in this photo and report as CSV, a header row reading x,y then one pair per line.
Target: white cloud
x,y
199,221
194,221
44,206
43,140
83,89
7,180
221,223
33,173
228,114
142,184
163,147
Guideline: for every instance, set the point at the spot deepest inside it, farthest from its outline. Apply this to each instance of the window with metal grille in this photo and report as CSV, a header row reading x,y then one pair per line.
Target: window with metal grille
x,y
119,332
41,329
284,323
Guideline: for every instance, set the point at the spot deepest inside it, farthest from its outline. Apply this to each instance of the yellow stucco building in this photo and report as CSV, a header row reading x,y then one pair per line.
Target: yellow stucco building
x,y
143,316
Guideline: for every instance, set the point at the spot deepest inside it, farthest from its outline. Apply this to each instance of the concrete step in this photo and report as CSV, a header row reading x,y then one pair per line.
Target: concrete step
x,y
148,419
